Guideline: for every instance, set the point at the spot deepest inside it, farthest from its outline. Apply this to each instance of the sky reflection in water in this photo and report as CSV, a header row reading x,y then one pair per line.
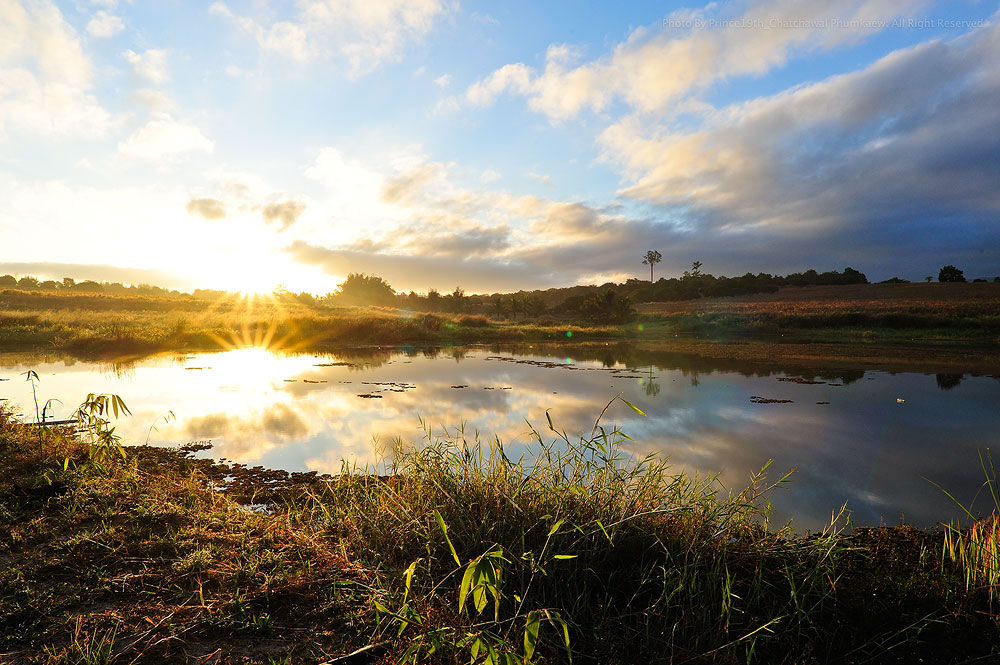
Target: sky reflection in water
x,y
304,412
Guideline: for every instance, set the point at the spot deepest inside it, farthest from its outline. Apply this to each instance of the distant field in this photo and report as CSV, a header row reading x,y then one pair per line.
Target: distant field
x,y
962,300
965,314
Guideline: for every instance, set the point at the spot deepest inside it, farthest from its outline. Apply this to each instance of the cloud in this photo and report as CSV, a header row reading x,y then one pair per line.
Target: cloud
x,y
654,68
897,159
285,212
488,176
152,99
207,208
150,65
540,177
407,271
45,78
365,34
103,25
443,81
97,272
165,138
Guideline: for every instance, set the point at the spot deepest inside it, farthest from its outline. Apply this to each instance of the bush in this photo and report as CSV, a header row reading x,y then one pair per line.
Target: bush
x,y
608,307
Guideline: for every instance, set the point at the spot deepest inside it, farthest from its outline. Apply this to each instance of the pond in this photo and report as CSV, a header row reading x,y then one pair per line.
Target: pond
x,y
871,438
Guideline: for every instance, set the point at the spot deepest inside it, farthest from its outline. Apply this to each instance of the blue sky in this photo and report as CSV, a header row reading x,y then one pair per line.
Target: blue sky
x,y
240,145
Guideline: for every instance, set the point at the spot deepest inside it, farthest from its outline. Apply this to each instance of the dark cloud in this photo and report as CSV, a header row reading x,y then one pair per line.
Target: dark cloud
x,y
285,212
893,169
460,244
406,272
206,207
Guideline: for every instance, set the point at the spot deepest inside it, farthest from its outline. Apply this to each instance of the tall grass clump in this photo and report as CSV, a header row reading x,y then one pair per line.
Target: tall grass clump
x,y
976,550
580,552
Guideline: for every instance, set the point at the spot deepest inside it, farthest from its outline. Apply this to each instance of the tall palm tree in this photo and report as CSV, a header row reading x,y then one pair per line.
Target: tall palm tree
x,y
652,257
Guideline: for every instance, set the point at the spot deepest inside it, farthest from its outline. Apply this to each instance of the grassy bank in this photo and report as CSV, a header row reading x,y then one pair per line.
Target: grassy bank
x,y
887,313
923,314
454,553
96,323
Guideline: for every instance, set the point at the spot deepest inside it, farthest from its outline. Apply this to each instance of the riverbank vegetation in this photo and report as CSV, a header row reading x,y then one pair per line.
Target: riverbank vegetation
x,y
451,552
950,313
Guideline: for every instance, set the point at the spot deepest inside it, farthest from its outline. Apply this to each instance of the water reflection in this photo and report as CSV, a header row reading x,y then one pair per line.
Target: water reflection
x,y
867,437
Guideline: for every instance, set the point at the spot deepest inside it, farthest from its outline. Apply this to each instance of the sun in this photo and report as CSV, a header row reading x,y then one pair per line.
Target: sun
x,y
255,272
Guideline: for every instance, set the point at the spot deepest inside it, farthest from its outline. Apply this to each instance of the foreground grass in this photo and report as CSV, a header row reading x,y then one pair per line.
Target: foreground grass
x,y
454,553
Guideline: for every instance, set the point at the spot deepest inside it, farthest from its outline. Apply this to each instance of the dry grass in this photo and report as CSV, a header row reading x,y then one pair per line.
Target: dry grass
x,y
949,300
135,558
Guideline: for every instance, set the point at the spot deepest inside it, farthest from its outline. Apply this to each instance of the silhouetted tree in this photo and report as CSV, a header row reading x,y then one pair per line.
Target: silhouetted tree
x,y
370,289
456,300
433,300
608,307
950,274
27,282
948,381
7,281
652,258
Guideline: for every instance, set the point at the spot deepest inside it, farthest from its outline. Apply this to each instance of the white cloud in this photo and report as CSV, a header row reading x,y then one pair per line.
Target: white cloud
x,y
105,25
653,69
443,81
150,65
540,177
45,78
152,99
488,176
165,138
365,34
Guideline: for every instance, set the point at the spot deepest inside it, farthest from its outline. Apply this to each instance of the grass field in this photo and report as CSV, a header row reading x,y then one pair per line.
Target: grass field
x,y
455,555
137,324
890,313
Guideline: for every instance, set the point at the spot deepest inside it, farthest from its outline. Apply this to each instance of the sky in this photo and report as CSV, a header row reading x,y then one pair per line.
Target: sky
x,y
495,146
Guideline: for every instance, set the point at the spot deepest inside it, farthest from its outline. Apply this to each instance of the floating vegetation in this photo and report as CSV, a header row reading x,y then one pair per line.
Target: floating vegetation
x,y
801,381
757,399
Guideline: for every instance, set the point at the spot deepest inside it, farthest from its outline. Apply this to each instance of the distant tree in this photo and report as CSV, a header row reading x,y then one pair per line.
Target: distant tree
x,y
948,381
533,305
608,307
48,285
498,306
996,279
368,289
950,274
852,276
27,282
456,300
928,279
7,281
433,300
652,258
696,268
67,283
89,285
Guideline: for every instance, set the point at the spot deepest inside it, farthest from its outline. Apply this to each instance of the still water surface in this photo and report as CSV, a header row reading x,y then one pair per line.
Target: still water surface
x,y
870,438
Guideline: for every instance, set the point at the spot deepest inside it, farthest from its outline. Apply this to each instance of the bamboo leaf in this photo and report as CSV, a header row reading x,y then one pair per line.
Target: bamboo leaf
x,y
634,407
444,530
531,628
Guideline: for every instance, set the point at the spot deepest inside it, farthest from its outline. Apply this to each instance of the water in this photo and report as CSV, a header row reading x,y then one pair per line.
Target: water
x,y
870,438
